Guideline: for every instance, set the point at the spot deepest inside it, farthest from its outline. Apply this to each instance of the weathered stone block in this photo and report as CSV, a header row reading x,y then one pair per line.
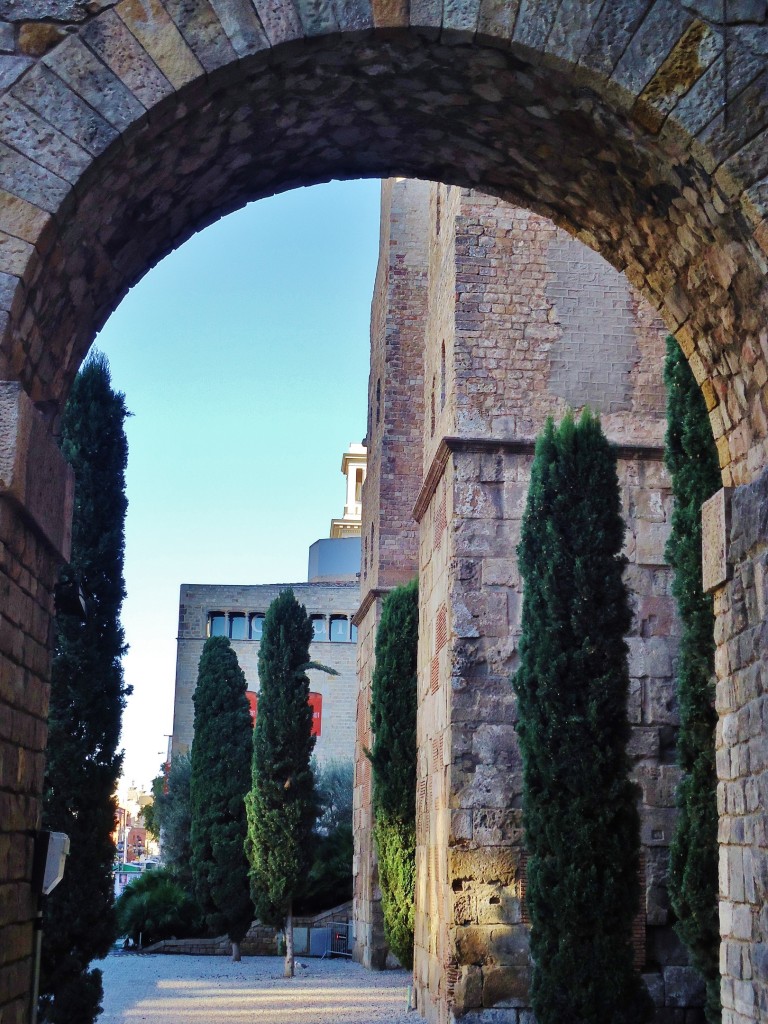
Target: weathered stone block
x,y
643,744
468,992
33,472
489,866
506,986
657,826
660,702
655,985
650,539
715,527
659,784
497,826
500,944
683,986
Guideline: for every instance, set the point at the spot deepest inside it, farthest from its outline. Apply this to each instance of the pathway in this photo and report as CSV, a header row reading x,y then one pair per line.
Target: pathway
x,y
211,989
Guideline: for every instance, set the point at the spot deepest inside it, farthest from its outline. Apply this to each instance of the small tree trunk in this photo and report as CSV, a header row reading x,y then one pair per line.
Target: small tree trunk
x,y
289,961
235,952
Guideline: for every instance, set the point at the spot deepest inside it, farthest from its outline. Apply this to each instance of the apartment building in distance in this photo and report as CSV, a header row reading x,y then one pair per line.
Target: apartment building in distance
x,y
331,596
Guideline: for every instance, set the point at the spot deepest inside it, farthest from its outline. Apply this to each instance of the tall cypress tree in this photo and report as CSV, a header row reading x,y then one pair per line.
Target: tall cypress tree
x,y
691,457
282,805
220,779
87,698
581,822
393,759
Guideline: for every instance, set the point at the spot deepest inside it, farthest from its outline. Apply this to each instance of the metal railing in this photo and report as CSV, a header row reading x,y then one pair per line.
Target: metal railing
x,y
337,941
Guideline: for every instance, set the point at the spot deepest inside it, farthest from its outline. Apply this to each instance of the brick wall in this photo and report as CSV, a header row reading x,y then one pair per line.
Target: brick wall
x,y
519,343
35,514
742,756
390,533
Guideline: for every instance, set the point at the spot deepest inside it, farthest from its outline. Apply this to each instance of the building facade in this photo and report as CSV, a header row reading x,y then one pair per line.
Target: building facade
x,y
496,319
331,597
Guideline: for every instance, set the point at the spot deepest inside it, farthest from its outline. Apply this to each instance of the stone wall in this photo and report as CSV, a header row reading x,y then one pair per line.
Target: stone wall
x,y
742,754
509,341
503,335
641,128
35,486
260,940
124,129
390,545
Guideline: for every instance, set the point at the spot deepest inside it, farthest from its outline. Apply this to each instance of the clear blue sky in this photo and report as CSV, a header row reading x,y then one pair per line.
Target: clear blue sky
x,y
243,357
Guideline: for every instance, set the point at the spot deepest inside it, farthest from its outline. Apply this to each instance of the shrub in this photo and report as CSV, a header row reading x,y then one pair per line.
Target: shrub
x,y
691,457
393,761
155,907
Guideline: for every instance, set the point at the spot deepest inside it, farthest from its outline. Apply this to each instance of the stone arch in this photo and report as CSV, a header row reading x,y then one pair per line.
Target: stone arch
x,y
126,126
126,130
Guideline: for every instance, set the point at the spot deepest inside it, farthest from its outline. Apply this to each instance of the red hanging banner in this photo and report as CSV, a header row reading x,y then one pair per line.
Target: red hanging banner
x,y
315,702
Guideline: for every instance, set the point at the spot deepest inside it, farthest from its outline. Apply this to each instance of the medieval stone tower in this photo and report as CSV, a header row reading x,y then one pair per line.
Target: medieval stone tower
x,y
485,320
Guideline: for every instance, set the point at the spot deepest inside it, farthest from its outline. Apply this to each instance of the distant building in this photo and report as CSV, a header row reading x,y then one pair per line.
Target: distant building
x,y
331,596
354,462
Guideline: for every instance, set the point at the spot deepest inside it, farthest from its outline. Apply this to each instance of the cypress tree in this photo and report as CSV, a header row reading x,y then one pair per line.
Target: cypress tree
x,y
219,781
282,805
87,698
691,457
393,760
579,813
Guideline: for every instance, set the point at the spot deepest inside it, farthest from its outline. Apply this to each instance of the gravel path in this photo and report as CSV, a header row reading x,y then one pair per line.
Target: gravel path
x,y
211,989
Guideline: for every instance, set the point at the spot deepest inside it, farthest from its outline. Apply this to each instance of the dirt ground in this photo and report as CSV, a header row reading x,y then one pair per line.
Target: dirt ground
x,y
211,989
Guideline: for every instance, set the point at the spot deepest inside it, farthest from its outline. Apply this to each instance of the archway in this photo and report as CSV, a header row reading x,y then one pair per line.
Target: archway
x,y
127,128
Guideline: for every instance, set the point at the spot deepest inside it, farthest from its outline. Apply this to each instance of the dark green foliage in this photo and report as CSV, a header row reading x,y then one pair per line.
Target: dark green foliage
x,y
87,699
156,907
334,782
396,850
77,1002
173,813
219,780
691,458
282,804
393,759
580,819
148,814
330,878
329,882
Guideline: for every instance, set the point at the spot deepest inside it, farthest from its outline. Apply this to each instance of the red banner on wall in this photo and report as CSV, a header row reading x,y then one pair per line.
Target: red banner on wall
x,y
315,702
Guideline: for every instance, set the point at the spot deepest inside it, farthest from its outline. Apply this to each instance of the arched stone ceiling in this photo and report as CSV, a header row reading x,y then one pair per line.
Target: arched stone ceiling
x,y
126,126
